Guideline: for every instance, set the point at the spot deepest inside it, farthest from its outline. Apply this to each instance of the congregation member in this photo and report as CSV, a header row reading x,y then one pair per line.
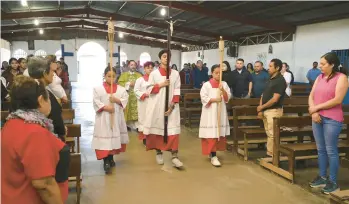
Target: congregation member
x,y
241,80
64,65
4,66
271,103
34,162
289,71
200,75
260,79
288,79
128,80
110,134
56,86
22,63
226,74
156,65
250,68
313,73
142,98
212,93
63,75
10,73
325,108
43,70
174,66
153,126
185,75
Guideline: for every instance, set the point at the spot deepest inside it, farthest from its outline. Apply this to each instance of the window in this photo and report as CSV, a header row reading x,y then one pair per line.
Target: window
x,y
145,57
123,57
19,54
58,54
41,53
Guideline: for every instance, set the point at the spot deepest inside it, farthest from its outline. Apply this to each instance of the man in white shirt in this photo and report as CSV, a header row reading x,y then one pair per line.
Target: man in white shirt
x,y
288,79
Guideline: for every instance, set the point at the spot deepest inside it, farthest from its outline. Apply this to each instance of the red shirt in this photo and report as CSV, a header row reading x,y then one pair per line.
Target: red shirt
x,y
28,152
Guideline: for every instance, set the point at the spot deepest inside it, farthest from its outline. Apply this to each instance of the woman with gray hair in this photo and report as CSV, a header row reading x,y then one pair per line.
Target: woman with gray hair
x,y
43,70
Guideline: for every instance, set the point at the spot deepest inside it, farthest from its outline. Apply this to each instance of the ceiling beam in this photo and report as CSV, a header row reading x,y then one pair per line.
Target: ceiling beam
x,y
229,16
96,25
107,15
58,34
120,17
122,6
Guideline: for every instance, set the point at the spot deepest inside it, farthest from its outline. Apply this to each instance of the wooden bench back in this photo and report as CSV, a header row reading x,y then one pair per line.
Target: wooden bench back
x,y
186,86
68,114
186,91
74,131
252,110
4,115
75,165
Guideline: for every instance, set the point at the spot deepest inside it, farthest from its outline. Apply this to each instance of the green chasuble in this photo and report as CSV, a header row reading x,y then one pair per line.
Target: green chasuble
x,y
131,112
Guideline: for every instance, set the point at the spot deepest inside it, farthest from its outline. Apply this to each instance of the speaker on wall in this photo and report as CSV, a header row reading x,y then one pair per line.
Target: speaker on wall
x,y
31,45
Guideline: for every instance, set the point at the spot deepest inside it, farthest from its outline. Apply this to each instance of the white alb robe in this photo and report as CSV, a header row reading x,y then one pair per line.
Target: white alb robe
x,y
155,111
208,120
104,138
140,88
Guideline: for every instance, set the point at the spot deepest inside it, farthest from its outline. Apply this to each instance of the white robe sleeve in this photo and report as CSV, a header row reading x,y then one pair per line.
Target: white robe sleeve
x,y
56,88
177,87
138,88
227,89
151,82
97,103
204,95
124,99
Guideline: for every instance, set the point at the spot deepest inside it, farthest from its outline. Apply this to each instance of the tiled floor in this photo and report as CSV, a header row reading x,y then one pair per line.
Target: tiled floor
x,y
137,179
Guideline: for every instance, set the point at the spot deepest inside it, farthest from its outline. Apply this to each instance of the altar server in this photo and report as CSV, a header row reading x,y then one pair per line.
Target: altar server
x,y
155,111
110,135
142,96
211,142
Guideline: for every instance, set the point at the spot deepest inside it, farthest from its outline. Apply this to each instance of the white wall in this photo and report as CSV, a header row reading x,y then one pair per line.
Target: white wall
x,y
51,47
309,44
313,41
5,51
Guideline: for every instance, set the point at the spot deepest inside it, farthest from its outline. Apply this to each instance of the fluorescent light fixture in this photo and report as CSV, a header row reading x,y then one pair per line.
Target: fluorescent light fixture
x,y
184,45
41,31
121,35
163,11
24,2
36,22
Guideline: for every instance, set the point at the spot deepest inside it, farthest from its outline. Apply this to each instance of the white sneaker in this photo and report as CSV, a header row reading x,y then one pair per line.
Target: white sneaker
x,y
215,162
160,159
177,163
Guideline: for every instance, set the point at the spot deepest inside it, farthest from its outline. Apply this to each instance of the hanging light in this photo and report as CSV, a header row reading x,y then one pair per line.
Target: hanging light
x,y
121,35
184,45
36,22
24,2
163,11
41,31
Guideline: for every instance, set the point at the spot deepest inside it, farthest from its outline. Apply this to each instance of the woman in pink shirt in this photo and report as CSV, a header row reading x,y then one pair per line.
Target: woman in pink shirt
x,y
325,107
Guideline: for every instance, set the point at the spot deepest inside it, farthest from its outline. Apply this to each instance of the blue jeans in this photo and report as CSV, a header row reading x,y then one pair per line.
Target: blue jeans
x,y
326,136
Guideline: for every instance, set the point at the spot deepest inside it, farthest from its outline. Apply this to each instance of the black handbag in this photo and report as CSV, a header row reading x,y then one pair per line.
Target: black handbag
x,y
62,169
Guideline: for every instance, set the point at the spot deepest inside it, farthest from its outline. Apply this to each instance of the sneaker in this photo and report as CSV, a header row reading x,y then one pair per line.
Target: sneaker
x,y
106,167
160,159
318,182
330,187
112,162
177,163
215,162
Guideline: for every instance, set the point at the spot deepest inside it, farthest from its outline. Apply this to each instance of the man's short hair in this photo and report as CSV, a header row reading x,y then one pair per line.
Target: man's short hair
x,y
241,60
198,61
259,62
277,63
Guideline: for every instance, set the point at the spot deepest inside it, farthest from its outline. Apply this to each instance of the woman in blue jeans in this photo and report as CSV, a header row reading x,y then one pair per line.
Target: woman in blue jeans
x,y
325,108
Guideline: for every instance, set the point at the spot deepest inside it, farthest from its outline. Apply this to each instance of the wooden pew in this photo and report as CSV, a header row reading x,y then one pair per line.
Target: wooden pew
x,y
74,131
256,135
187,86
339,197
75,173
68,115
301,89
297,150
190,107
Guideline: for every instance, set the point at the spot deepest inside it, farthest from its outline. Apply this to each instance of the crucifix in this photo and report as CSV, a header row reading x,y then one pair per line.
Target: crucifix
x,y
170,28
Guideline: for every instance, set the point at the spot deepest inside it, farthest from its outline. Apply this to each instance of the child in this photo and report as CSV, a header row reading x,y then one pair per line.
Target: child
x,y
142,95
208,132
109,139
153,126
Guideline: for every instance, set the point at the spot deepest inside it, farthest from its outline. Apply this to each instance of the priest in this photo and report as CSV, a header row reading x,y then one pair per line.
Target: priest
x,y
128,80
